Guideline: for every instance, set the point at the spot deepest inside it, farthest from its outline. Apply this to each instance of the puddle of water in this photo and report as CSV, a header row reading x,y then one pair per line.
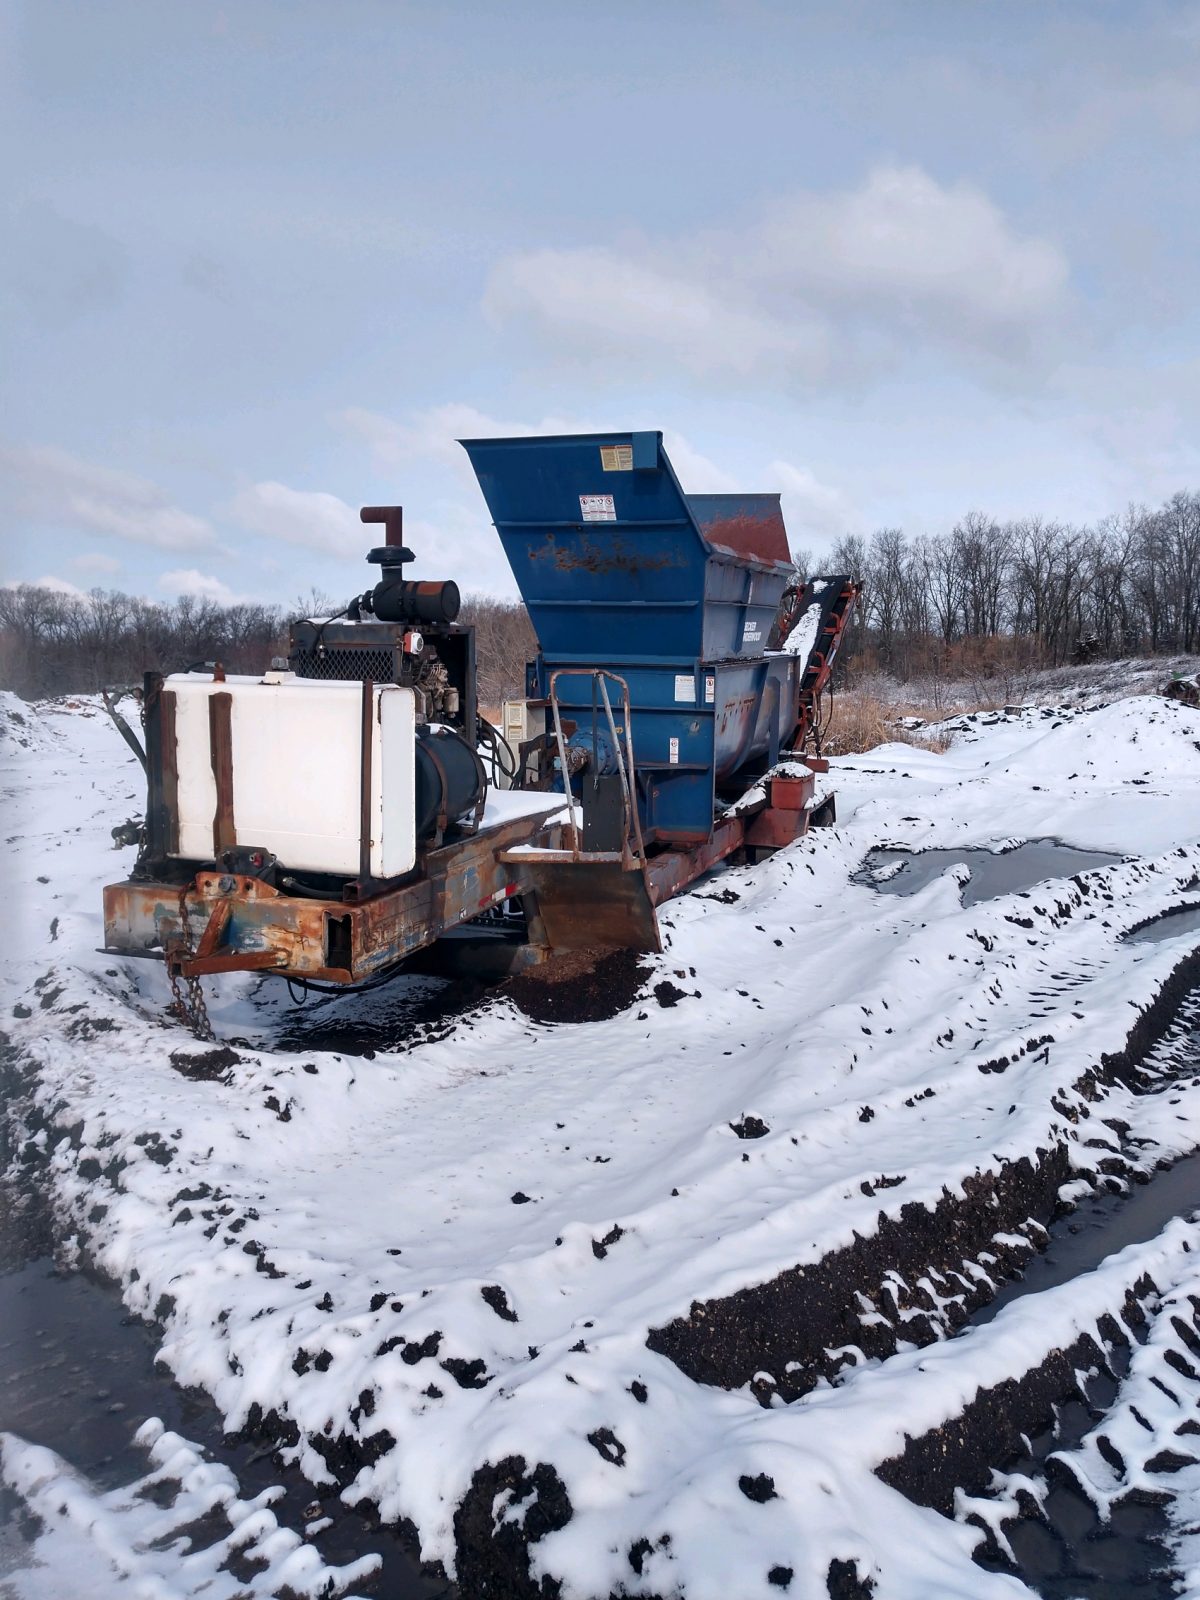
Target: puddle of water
x,y
1183,919
77,1375
1106,1222
1069,1553
1100,1227
1072,1555
992,874
404,1012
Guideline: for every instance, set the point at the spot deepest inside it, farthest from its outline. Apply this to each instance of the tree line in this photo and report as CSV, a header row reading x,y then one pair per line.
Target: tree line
x,y
1032,591
1047,591
54,642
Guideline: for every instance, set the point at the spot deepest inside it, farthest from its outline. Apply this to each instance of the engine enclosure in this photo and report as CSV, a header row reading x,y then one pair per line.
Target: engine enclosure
x,y
360,650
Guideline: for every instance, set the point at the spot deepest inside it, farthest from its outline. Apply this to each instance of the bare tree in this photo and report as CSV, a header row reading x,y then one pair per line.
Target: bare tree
x,y
988,600
504,642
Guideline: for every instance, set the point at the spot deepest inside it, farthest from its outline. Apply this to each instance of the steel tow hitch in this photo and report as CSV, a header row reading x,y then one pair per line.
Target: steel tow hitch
x,y
187,965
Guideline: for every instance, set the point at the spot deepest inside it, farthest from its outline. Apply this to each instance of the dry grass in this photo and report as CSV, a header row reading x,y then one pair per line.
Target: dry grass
x,y
861,720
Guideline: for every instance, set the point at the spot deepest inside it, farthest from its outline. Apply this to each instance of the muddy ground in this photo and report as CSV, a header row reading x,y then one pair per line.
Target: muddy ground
x,y
777,1338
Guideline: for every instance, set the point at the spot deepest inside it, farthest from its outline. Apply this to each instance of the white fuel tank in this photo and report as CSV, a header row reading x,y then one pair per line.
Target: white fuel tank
x,y
297,761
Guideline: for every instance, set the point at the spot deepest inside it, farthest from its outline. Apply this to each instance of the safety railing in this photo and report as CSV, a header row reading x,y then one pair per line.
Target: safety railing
x,y
633,850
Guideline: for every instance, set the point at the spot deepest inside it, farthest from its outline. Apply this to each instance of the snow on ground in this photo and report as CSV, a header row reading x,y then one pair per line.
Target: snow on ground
x,y
142,1539
22,728
1119,778
1079,687
456,1250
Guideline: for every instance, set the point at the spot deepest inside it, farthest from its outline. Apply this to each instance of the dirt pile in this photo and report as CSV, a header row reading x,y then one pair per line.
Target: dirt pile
x,y
579,986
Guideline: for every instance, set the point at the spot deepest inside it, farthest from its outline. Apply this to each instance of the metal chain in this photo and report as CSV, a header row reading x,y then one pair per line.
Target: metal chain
x,y
178,1006
190,1009
201,1026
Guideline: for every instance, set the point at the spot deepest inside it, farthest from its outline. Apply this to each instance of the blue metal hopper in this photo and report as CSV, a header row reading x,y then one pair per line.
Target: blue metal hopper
x,y
620,569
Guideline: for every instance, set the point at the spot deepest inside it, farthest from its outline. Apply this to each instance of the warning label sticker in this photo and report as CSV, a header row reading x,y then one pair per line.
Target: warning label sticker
x,y
710,690
674,756
616,457
685,686
597,508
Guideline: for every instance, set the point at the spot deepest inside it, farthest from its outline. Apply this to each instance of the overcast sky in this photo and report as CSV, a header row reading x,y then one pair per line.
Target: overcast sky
x,y
265,262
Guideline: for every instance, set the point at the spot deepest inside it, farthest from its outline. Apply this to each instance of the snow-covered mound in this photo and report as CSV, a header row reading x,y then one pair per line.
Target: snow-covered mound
x,y
23,728
141,1539
1123,777
487,1260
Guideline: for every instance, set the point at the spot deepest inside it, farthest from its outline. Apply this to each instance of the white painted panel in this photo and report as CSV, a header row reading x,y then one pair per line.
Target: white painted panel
x,y
297,764
394,849
518,723
197,786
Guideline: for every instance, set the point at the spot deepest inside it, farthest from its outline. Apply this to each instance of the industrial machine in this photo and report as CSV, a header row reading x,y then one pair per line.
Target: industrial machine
x,y
331,818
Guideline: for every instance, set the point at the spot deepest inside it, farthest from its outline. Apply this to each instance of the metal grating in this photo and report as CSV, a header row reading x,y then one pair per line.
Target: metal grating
x,y
348,663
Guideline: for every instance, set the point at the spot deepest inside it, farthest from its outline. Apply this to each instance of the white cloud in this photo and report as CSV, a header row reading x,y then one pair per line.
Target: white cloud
x,y
52,484
188,581
58,585
305,517
696,472
811,509
818,284
613,305
96,561
460,543
903,241
433,435
455,541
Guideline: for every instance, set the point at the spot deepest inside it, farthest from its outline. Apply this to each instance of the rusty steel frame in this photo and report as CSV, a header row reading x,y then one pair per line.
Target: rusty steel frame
x,y
573,901
609,900
780,819
248,925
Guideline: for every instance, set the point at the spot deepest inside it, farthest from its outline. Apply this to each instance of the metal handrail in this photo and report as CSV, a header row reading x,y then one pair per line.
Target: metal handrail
x,y
628,773
562,761
624,752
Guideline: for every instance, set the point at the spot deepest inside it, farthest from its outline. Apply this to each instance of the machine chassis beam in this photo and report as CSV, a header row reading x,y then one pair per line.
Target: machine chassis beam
x,y
224,921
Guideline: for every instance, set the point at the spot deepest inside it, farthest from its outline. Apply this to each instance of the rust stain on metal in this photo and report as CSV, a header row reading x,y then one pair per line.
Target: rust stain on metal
x,y
264,929
220,712
760,538
789,794
216,886
251,926
392,518
771,829
592,904
586,555
232,961
214,928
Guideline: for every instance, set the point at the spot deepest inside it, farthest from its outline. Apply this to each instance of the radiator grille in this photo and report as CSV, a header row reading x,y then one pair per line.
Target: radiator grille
x,y
349,663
